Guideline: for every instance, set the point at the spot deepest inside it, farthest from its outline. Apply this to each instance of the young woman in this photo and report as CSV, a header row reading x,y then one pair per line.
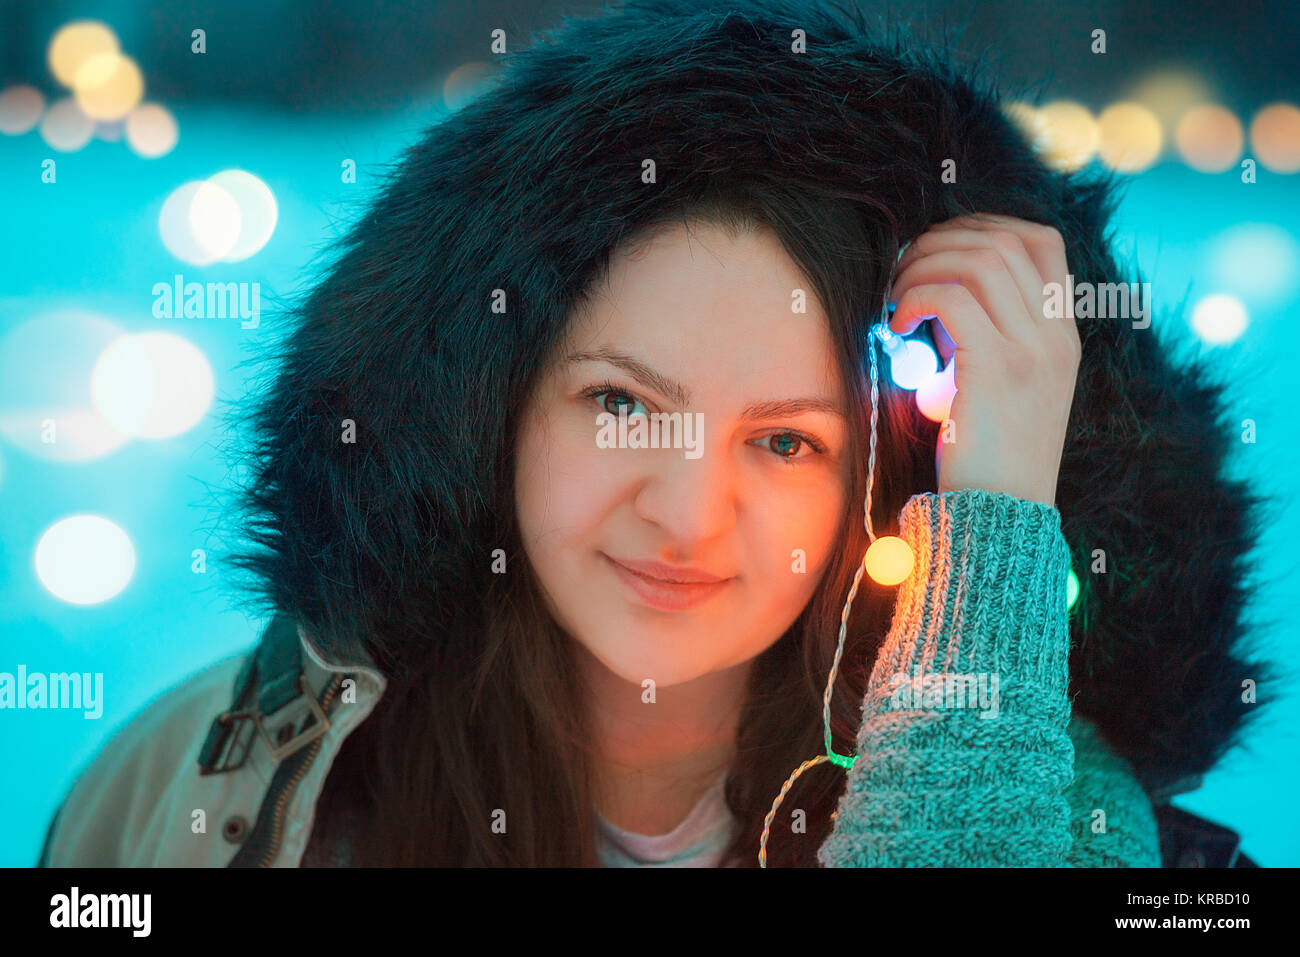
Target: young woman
x,y
500,641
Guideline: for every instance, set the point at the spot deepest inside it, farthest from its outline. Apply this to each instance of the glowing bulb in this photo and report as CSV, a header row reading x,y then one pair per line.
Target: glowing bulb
x,y
889,560
1071,590
912,365
934,396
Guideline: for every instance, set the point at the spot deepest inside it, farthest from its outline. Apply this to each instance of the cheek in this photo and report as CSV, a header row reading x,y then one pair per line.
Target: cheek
x,y
562,486
798,538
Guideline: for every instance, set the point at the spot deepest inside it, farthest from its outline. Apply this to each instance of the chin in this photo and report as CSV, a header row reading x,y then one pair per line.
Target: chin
x,y
662,668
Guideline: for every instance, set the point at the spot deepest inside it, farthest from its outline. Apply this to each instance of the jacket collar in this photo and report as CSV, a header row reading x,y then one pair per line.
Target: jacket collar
x,y
277,698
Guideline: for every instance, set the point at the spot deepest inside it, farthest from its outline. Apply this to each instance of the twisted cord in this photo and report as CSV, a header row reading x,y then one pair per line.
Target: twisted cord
x,y
843,761
879,329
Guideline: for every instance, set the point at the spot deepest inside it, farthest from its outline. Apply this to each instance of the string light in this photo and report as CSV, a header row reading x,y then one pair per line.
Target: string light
x,y
911,362
888,560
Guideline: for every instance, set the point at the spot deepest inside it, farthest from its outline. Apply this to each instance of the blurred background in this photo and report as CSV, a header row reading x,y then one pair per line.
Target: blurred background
x,y
145,147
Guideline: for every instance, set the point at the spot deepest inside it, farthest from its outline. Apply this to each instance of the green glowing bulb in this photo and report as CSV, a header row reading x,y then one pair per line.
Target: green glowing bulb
x,y
1071,590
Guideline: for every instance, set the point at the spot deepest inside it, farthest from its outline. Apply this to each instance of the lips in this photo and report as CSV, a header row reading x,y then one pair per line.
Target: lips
x,y
666,595
668,573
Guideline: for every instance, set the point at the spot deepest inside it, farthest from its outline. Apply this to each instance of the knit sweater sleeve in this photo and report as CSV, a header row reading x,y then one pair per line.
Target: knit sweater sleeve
x,y
966,755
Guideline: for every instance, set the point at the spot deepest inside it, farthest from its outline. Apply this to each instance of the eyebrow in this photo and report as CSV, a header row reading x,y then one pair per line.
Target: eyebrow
x,y
679,394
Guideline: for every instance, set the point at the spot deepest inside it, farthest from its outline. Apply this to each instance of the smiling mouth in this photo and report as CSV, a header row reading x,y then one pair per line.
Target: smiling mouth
x,y
663,595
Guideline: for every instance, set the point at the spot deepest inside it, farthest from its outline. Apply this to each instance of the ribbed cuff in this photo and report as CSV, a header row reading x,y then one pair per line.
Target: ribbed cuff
x,y
986,596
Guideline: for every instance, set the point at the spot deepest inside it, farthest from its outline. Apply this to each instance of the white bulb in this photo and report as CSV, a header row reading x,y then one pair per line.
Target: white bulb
x,y
912,365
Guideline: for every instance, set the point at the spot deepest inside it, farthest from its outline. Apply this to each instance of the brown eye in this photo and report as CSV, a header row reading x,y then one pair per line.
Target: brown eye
x,y
786,447
786,444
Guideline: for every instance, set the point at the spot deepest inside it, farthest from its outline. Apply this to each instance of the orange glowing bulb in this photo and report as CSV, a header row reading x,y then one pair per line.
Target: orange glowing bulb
x,y
889,560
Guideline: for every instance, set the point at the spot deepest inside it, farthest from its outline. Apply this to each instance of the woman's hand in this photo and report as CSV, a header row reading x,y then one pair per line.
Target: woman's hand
x,y
984,276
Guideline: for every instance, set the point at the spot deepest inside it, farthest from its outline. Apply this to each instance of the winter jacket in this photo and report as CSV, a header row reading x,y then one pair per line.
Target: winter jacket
x,y
1107,711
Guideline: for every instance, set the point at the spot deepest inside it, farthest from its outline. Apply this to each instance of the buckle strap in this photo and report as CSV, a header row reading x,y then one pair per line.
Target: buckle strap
x,y
272,697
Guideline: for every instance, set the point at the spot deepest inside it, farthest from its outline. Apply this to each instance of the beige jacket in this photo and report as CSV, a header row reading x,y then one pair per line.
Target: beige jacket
x,y
143,802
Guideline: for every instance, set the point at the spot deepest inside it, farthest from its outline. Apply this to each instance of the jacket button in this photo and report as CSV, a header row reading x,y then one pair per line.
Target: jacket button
x,y
1192,857
235,829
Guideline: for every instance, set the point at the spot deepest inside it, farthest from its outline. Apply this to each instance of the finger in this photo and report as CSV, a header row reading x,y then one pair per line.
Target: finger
x,y
1045,245
963,318
1005,242
943,342
985,274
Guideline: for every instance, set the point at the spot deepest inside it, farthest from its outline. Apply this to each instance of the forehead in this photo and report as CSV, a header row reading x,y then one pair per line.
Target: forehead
x,y
705,306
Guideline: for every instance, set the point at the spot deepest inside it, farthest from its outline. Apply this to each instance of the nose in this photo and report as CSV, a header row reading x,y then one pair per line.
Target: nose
x,y
692,500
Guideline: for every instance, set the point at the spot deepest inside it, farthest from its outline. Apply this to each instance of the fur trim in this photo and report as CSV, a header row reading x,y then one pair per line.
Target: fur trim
x,y
528,186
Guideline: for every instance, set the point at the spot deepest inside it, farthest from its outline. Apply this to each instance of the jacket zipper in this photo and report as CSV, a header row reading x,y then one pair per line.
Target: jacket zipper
x,y
282,802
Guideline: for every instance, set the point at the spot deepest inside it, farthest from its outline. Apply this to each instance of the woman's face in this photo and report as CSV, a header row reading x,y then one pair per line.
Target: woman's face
x,y
747,485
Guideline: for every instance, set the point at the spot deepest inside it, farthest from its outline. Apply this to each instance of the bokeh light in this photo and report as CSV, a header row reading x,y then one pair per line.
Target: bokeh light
x,y
1070,134
65,127
20,109
1219,319
85,559
1025,117
258,212
1275,137
1129,138
1209,138
151,130
76,43
45,404
153,385
199,222
108,86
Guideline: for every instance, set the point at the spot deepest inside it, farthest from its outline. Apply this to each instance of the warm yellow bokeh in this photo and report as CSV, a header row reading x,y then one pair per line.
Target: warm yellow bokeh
x,y
1129,137
1025,116
76,43
1070,134
108,86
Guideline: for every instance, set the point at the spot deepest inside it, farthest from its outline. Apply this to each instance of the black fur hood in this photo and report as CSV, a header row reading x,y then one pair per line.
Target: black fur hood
x,y
526,187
